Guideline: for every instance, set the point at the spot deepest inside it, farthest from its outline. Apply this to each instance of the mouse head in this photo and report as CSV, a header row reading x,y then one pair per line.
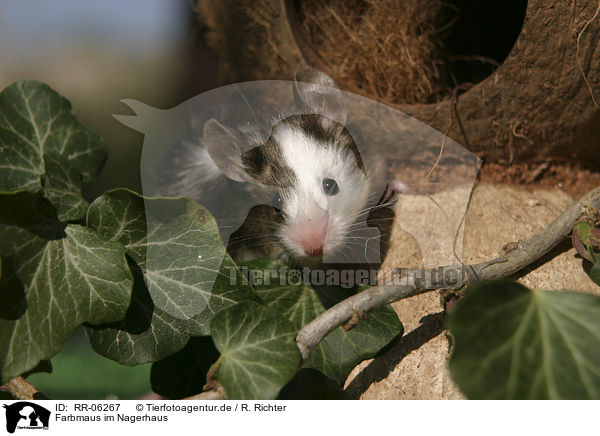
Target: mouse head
x,y
310,168
317,179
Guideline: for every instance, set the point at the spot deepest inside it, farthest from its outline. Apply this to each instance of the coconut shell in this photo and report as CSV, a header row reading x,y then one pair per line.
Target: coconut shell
x,y
536,105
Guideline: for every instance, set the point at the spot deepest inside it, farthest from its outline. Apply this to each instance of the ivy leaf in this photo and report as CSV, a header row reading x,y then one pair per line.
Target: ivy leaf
x,y
258,351
513,343
594,272
183,374
586,240
55,277
146,333
43,366
310,384
149,333
340,351
44,147
62,186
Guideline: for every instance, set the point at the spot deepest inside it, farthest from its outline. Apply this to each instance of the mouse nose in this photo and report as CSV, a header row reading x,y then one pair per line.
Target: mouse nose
x,y
313,239
310,235
313,250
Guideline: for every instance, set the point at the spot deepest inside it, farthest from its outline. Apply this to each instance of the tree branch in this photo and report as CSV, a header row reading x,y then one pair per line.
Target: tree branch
x,y
520,255
213,394
21,389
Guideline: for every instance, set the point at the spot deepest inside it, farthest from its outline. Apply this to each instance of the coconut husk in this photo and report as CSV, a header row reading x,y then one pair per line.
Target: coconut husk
x,y
387,48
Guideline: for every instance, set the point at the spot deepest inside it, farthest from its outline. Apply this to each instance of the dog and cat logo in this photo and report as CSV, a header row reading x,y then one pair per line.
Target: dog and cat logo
x,y
26,415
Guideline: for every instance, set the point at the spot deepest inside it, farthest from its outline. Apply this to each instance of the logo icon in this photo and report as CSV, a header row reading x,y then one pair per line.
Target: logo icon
x,y
26,415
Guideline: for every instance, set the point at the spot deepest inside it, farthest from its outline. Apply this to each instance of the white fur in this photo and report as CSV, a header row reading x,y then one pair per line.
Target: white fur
x,y
312,162
206,166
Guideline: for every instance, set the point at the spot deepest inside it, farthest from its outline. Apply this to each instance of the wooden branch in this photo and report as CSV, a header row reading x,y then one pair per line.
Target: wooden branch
x,y
520,255
214,394
21,389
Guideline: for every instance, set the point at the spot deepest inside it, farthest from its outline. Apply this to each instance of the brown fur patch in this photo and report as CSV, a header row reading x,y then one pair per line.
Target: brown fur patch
x,y
328,131
265,163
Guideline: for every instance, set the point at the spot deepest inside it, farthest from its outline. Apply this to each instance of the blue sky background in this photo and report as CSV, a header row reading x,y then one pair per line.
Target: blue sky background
x,y
40,27
97,52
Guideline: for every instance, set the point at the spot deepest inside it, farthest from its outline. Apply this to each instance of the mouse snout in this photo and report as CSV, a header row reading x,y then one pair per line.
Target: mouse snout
x,y
310,235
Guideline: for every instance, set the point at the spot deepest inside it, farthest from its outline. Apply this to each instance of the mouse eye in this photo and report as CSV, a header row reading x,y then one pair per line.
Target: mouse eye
x,y
330,187
277,202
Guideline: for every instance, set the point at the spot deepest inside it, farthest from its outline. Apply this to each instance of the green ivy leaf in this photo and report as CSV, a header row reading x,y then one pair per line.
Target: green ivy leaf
x,y
310,384
183,374
258,351
594,272
55,277
586,240
148,333
513,343
340,351
44,147
62,186
43,366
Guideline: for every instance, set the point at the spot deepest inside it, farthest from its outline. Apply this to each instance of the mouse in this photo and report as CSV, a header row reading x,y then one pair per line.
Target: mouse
x,y
312,196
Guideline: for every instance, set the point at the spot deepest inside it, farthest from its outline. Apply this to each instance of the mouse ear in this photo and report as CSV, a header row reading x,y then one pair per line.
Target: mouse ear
x,y
224,146
316,92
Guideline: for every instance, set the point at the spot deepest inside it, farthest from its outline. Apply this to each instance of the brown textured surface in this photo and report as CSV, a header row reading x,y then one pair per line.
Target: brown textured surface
x,y
384,48
535,105
415,367
571,177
